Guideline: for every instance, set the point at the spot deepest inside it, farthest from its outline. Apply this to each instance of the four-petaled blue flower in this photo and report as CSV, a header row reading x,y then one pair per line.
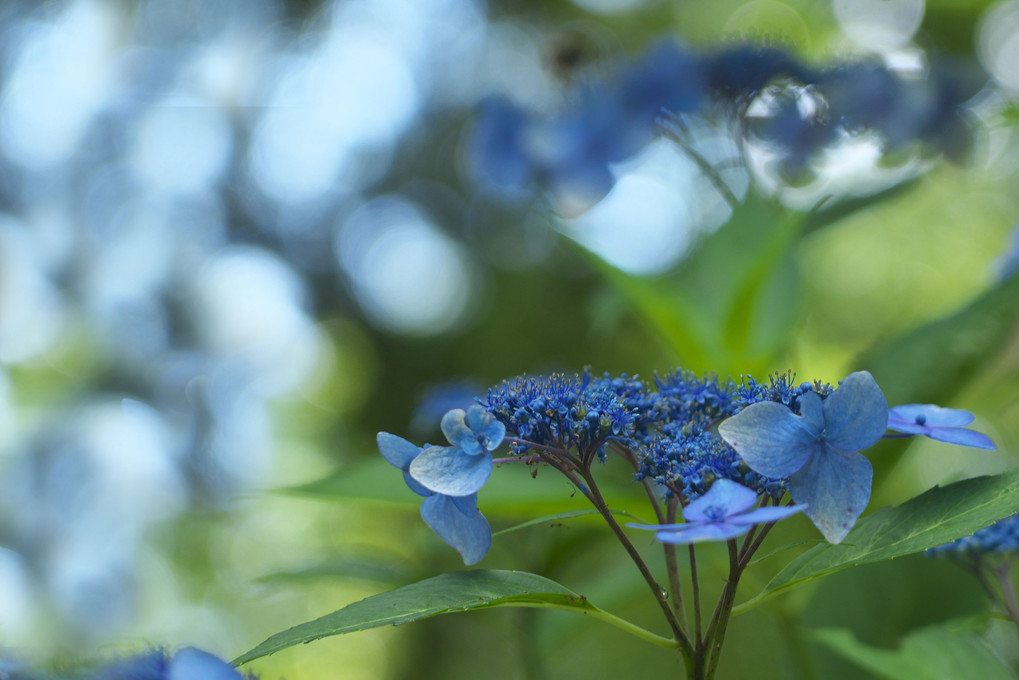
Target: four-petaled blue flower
x,y
456,519
818,450
461,469
943,424
722,513
449,477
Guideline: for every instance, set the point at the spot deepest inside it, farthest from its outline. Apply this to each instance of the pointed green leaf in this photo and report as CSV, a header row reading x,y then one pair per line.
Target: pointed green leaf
x,y
937,516
456,592
936,653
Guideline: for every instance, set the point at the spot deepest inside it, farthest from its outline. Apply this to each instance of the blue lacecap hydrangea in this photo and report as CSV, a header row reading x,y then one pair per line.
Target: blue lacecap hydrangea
x,y
685,433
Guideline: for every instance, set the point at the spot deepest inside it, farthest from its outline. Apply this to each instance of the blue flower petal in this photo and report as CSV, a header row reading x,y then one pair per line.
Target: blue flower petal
x,y
466,504
855,414
485,427
459,433
448,470
724,498
931,415
835,487
468,532
812,410
194,664
770,514
958,435
774,441
700,533
415,486
397,450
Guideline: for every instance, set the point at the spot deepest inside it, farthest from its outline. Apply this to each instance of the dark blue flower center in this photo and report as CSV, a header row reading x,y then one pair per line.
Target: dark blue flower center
x,y
715,513
920,419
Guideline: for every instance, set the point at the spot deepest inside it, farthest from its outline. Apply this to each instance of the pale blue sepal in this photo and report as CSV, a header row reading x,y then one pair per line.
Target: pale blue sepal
x,y
724,499
458,433
835,487
774,441
856,413
450,471
396,450
770,514
701,533
962,437
467,532
932,415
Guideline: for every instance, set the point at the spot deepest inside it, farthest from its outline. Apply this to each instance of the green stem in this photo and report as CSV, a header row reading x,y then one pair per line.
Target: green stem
x,y
672,567
675,131
594,494
717,635
695,584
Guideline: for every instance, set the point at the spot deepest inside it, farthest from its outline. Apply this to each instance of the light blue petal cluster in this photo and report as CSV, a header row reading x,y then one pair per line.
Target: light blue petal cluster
x,y
722,513
449,477
817,449
937,422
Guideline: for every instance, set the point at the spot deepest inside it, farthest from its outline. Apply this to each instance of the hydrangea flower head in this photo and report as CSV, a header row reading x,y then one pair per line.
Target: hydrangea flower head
x,y
722,513
817,450
936,422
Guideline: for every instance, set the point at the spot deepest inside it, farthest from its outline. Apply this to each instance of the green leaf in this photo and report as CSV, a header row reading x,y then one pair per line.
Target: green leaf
x,y
930,363
936,653
935,517
569,514
456,592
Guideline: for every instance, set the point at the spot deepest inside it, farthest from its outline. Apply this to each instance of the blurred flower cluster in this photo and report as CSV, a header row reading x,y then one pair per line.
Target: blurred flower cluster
x,y
787,116
189,663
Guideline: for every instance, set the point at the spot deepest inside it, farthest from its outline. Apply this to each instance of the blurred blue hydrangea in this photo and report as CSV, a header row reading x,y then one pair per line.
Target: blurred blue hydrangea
x,y
797,111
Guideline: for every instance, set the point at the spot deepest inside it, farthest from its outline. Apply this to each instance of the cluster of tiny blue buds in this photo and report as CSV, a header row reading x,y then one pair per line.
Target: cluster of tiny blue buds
x,y
567,412
669,430
1000,538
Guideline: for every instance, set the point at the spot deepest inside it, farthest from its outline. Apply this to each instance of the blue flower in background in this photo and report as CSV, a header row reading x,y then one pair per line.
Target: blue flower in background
x,y
937,422
1000,538
187,664
455,519
722,513
818,450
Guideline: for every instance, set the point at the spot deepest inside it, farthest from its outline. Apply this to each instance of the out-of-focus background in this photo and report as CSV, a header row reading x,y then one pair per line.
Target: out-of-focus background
x,y
239,237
